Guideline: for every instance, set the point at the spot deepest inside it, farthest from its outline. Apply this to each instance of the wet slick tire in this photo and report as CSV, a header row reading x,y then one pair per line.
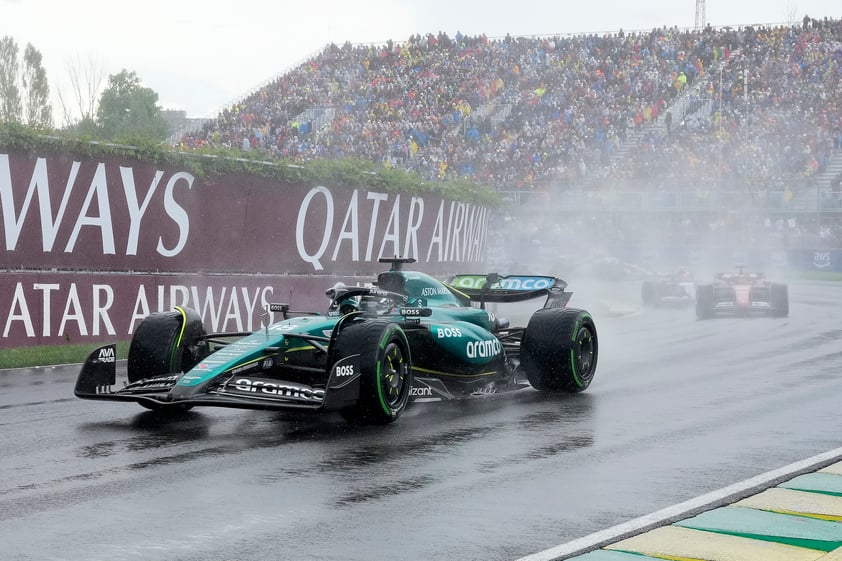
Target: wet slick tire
x,y
704,301
779,300
166,343
559,350
385,370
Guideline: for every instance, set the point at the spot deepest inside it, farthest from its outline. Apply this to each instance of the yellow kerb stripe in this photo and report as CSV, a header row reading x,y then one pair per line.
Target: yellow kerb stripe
x,y
675,542
792,501
835,469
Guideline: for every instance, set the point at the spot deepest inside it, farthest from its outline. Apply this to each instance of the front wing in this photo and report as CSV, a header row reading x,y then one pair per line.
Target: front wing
x,y
98,380
741,300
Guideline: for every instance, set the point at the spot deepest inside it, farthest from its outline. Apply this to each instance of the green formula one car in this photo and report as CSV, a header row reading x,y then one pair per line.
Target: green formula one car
x,y
411,337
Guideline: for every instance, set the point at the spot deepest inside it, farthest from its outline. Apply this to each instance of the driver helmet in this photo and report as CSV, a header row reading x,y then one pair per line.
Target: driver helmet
x,y
348,306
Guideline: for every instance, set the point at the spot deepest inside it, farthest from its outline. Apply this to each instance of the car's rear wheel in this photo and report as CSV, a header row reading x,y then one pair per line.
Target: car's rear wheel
x,y
704,301
166,343
559,350
779,300
385,370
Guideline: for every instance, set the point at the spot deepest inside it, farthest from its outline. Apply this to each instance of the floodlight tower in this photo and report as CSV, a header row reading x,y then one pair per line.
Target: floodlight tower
x,y
700,14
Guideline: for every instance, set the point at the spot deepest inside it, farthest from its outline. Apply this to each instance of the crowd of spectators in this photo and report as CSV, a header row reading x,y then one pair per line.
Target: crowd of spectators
x,y
528,112
771,121
506,112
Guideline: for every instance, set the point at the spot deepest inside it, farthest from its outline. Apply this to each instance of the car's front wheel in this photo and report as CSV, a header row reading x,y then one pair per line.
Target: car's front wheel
x,y
166,343
385,370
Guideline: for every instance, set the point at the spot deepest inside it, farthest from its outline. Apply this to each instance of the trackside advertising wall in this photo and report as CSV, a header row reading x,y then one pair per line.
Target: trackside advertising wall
x,y
88,247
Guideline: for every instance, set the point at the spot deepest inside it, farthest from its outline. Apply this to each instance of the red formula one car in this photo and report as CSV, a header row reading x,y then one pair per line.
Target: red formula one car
x,y
742,294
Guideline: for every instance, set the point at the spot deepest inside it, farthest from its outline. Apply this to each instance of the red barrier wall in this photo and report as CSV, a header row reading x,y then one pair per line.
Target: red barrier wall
x,y
81,239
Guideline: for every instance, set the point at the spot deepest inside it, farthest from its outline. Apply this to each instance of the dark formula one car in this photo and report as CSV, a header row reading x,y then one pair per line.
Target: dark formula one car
x,y
668,289
741,293
376,349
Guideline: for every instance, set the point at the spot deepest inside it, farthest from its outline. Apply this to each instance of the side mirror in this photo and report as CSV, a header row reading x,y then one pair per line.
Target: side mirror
x,y
270,309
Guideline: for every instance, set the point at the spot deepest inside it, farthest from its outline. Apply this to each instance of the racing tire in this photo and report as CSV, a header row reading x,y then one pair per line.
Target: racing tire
x,y
385,370
649,293
704,301
779,300
166,343
559,350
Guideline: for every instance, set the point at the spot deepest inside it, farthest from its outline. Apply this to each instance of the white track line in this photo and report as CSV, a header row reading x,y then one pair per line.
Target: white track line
x,y
683,510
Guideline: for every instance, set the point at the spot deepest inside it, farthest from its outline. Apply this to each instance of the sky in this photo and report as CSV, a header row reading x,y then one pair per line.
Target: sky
x,y
202,55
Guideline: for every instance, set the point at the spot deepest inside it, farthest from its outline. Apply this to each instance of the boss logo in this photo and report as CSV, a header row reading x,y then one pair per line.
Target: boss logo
x,y
444,332
345,370
416,312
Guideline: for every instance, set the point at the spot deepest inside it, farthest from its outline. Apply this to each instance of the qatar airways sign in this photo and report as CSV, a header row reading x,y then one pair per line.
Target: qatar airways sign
x,y
452,232
89,247
63,213
47,308
124,215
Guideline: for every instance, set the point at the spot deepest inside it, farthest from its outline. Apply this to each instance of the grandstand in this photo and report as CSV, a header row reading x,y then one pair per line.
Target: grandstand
x,y
719,128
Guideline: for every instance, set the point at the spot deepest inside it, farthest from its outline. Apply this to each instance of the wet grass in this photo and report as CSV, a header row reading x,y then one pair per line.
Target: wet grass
x,y
815,275
47,355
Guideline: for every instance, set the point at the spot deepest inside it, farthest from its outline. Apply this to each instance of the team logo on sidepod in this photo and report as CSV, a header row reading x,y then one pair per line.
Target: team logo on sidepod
x,y
484,348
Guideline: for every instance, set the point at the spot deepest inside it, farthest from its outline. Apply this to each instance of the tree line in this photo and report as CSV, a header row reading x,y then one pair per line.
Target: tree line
x,y
124,109
125,114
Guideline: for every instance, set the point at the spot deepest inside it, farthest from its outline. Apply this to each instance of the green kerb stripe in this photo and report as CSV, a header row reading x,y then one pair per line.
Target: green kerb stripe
x,y
818,545
768,526
825,483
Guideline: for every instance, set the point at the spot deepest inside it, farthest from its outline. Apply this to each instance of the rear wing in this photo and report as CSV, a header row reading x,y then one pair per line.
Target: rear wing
x,y
494,287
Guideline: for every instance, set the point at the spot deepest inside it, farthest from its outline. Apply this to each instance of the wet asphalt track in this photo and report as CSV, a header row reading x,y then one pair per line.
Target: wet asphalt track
x,y
678,408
